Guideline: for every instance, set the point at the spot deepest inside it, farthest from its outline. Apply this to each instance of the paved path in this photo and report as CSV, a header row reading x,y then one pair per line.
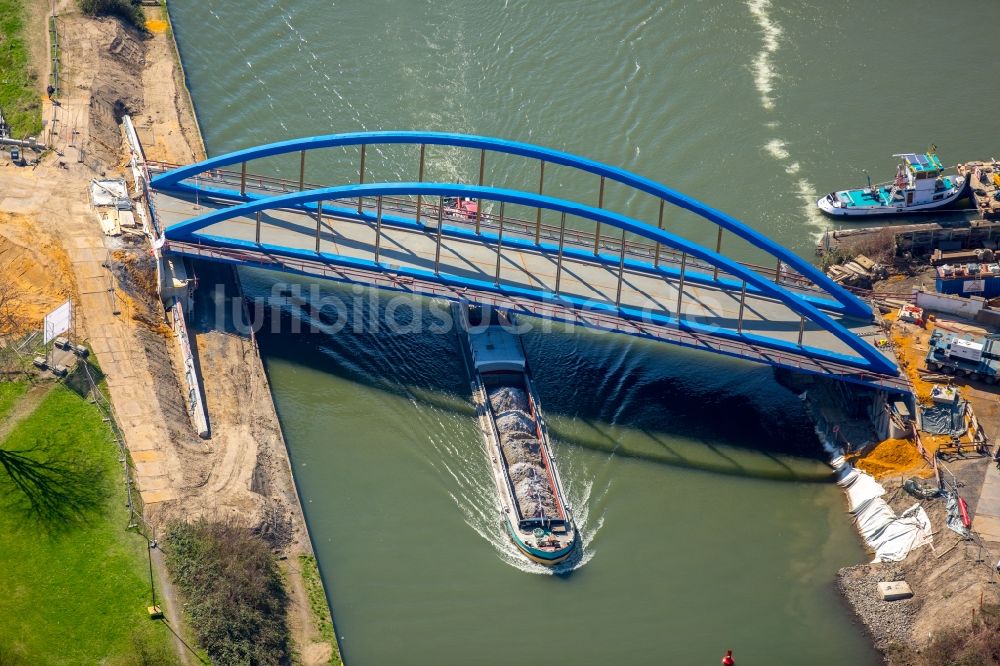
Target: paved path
x,y
987,519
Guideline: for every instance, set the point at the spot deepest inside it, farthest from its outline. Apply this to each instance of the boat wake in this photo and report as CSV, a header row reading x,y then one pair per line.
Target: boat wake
x,y
481,509
764,73
764,76
466,467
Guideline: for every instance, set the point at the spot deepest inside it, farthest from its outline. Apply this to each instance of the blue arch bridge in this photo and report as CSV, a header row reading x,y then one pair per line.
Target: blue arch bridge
x,y
533,248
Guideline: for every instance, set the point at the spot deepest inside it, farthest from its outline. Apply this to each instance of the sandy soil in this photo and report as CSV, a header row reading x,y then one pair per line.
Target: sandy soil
x,y
51,244
33,261
167,126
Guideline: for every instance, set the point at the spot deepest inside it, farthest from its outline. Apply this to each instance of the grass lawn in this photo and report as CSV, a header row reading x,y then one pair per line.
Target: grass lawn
x,y
74,593
20,99
319,605
9,393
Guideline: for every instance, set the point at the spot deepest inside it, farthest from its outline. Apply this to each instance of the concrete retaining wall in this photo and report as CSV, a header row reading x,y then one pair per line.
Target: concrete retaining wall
x,y
954,305
175,296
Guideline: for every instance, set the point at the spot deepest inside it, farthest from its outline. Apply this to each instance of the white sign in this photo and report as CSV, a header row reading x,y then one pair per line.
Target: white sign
x,y
58,321
973,286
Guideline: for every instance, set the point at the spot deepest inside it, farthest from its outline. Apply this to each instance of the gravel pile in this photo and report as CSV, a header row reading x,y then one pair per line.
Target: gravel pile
x,y
509,399
535,495
522,451
523,470
889,622
516,425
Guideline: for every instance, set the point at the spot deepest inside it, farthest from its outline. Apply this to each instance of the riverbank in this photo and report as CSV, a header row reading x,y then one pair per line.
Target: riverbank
x,y
242,472
955,587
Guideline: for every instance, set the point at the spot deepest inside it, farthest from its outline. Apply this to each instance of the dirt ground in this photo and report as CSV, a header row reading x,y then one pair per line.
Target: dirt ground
x,y
949,579
34,264
52,247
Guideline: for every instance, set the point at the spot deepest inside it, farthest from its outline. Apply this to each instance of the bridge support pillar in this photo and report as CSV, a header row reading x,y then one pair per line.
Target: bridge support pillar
x,y
302,170
659,225
597,233
743,298
562,236
802,328
479,202
437,244
361,175
420,178
319,222
257,235
538,211
621,272
378,227
243,179
718,249
496,279
680,284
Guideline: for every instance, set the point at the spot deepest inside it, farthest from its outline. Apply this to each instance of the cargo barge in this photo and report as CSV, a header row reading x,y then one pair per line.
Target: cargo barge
x,y
532,504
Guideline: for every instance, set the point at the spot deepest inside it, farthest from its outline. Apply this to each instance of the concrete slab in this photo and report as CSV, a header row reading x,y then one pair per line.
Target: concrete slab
x,y
140,445
988,527
894,590
989,498
100,345
155,496
145,470
147,456
147,483
129,409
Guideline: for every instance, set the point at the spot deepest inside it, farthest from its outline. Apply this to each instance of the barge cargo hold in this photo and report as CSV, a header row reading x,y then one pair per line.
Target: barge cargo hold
x,y
532,505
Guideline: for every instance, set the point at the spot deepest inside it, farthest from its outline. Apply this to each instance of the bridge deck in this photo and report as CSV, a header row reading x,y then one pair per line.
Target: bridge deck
x,y
474,261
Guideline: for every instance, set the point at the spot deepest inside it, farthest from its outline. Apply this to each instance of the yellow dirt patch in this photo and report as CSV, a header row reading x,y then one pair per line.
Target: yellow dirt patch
x,y
35,267
156,25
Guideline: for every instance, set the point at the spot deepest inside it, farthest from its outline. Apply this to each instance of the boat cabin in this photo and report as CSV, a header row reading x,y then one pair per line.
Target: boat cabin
x,y
919,180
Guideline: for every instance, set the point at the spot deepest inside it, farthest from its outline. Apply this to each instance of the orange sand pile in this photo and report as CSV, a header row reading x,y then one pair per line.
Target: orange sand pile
x,y
156,25
892,456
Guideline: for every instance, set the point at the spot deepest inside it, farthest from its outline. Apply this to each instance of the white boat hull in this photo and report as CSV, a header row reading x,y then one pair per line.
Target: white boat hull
x,y
831,204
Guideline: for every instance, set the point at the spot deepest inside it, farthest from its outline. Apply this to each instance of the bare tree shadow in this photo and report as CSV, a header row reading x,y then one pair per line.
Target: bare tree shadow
x,y
56,488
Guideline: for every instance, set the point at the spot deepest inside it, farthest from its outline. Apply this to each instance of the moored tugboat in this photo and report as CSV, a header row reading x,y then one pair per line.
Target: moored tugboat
x,y
919,185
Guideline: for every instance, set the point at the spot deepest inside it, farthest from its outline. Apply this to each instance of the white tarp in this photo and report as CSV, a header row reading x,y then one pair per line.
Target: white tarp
x,y
862,489
911,530
891,537
58,321
108,192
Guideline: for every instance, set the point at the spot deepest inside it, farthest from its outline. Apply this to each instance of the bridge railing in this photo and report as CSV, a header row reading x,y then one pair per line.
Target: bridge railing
x,y
589,178
427,212
553,309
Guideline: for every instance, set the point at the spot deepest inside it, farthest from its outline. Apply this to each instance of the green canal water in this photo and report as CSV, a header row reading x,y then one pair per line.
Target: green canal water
x,y
696,480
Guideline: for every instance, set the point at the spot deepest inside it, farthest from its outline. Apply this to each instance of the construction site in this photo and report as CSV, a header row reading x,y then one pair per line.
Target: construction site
x,y
192,408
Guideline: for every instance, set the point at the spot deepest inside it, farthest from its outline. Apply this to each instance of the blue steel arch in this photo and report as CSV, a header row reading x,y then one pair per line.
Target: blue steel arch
x,y
852,305
875,361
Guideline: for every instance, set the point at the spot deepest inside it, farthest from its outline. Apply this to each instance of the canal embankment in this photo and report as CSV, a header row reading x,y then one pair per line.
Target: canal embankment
x,y
254,472
241,473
